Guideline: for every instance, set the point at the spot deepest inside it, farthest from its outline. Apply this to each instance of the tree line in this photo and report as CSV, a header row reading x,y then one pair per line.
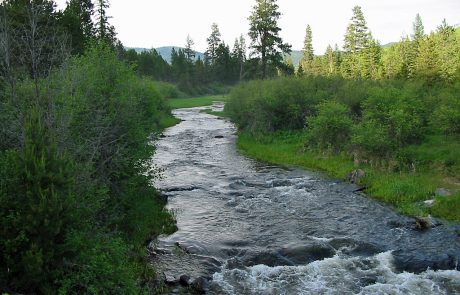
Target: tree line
x,y
77,208
432,57
393,111
220,66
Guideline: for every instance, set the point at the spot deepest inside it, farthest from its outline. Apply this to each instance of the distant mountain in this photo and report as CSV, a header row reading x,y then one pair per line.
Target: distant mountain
x,y
166,51
296,56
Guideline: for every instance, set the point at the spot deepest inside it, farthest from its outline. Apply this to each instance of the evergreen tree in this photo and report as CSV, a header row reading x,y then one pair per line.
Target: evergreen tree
x,y
330,60
239,55
393,62
307,50
370,61
445,30
300,72
36,211
409,52
213,42
357,36
76,19
264,33
105,32
419,31
448,47
188,51
426,64
223,64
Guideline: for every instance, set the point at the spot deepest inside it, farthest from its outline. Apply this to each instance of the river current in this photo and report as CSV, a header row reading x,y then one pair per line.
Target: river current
x,y
246,227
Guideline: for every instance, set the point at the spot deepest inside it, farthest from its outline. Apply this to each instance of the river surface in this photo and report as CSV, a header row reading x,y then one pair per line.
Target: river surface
x,y
245,227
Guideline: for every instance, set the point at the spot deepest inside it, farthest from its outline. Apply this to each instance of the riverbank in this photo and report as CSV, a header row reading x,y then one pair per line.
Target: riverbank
x,y
178,103
410,193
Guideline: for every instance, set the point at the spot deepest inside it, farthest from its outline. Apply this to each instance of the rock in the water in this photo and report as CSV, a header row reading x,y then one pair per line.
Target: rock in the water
x,y
423,223
429,203
184,280
355,176
219,136
443,192
170,279
417,262
200,285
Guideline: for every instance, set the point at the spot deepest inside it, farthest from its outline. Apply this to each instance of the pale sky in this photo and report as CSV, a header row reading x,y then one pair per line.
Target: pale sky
x,y
151,23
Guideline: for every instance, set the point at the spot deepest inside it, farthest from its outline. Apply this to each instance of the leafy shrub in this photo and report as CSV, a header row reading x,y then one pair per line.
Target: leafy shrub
x,y
331,128
76,207
446,117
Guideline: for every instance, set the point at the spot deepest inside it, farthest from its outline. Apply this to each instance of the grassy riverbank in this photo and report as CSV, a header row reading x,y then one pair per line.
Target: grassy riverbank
x,y
403,134
406,191
177,103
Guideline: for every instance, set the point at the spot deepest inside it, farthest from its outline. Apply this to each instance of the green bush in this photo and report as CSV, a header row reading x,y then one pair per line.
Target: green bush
x,y
331,128
76,205
37,209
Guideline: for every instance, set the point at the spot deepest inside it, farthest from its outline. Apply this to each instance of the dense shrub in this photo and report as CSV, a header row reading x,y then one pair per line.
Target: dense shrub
x,y
379,119
331,128
76,204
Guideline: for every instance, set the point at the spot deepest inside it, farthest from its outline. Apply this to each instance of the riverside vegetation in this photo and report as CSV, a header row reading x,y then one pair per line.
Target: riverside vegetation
x,y
393,112
404,135
77,207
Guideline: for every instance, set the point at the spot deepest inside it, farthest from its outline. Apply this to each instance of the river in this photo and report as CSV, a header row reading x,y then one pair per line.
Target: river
x,y
246,227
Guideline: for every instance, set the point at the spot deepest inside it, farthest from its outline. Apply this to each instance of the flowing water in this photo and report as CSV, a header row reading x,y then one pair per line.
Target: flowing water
x,y
250,228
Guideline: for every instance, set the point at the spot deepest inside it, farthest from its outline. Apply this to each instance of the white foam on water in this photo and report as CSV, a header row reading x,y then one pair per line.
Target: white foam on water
x,y
336,275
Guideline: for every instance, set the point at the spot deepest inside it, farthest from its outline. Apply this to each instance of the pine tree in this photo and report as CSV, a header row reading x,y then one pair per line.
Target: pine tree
x,y
105,32
213,42
419,31
330,59
264,33
307,50
239,55
371,61
426,64
76,18
357,36
300,72
189,52
36,210
448,47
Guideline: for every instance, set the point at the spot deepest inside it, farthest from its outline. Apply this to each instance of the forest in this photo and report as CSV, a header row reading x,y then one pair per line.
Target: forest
x,y
79,113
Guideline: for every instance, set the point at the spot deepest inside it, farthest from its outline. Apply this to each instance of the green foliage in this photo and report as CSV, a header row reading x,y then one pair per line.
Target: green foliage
x,y
101,267
37,203
331,128
307,51
390,121
402,133
76,204
264,34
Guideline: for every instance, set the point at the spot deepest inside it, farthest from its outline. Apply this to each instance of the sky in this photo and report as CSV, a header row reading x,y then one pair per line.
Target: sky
x,y
152,23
